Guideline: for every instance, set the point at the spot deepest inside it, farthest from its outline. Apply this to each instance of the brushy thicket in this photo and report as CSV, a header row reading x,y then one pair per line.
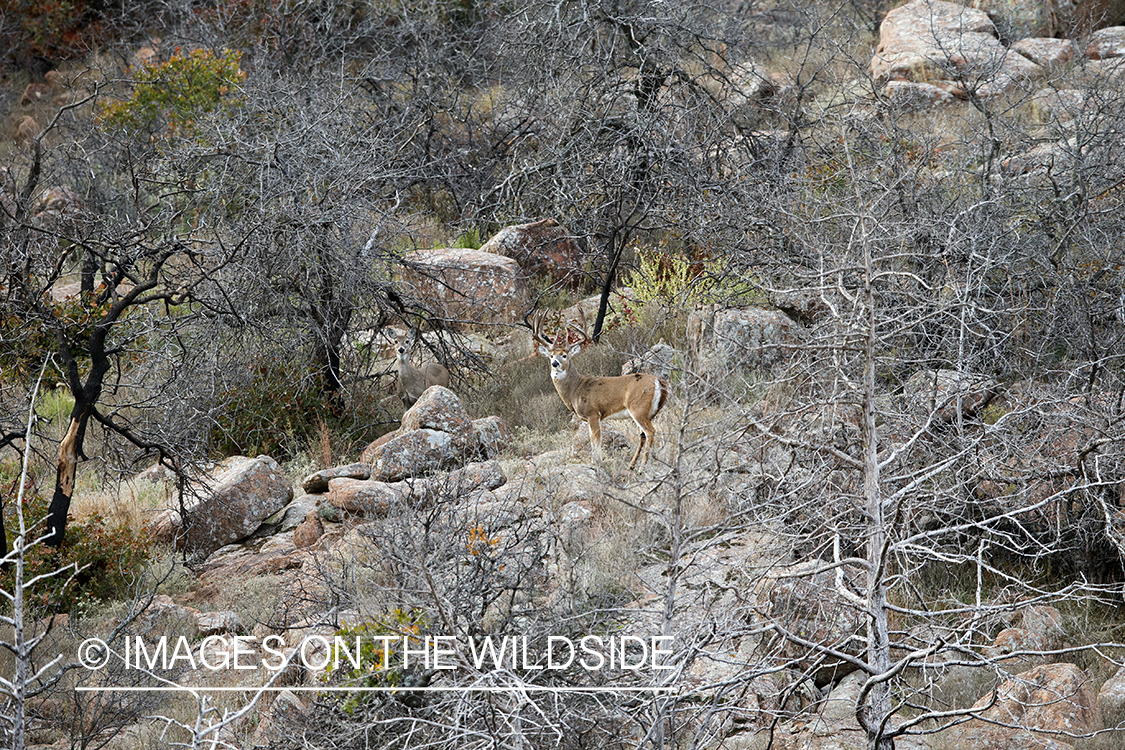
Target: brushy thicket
x,y
53,30
98,561
278,409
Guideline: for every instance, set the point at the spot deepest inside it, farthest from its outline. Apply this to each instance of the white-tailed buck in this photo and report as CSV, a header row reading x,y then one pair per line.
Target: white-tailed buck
x,y
413,381
593,399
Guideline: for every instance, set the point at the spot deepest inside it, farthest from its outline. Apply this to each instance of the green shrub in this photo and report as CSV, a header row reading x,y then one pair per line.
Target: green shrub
x,y
677,281
54,404
30,339
275,406
275,409
468,240
178,90
372,661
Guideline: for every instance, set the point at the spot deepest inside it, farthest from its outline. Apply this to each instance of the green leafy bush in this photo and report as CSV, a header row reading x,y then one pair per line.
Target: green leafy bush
x,y
30,340
678,281
372,660
178,91
273,409
468,240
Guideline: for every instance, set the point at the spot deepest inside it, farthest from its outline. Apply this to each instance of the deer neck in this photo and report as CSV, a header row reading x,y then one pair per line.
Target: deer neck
x,y
404,363
568,382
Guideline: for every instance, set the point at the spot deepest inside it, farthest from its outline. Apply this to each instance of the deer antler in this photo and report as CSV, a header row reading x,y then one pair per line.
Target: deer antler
x,y
536,326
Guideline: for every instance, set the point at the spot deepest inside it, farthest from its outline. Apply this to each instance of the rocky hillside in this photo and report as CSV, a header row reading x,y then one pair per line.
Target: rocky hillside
x,y
871,252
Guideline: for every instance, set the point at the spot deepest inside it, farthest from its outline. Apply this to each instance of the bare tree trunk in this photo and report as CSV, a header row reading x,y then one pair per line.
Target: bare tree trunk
x,y
64,482
875,711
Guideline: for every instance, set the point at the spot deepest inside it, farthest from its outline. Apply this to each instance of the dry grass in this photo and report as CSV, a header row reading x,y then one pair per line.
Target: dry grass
x,y
130,503
522,395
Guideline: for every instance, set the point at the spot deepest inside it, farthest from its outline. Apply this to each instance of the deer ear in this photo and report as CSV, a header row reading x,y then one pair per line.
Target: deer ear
x,y
575,349
544,350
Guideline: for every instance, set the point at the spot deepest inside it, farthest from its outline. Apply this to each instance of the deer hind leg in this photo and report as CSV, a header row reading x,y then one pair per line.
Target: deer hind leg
x,y
648,437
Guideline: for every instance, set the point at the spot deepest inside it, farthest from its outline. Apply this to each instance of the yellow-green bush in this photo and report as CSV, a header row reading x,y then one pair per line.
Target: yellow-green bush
x,y
674,280
178,90
374,655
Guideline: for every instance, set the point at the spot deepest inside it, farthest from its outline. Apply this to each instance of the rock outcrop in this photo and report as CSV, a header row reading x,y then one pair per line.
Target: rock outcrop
x,y
227,506
541,248
730,339
948,393
806,599
1047,704
374,498
469,285
948,45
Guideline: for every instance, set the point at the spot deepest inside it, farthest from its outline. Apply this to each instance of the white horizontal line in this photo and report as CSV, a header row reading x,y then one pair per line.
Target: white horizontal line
x,y
455,689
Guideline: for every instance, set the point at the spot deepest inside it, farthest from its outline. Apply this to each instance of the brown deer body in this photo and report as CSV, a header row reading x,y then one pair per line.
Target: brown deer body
x,y
413,381
593,399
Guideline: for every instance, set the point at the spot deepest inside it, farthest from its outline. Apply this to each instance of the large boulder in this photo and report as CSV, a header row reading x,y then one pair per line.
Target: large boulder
x,y
948,392
1033,709
1106,43
414,453
542,248
1022,18
1046,52
229,505
439,409
436,434
373,498
1111,700
469,285
317,483
942,43
493,436
361,497
729,339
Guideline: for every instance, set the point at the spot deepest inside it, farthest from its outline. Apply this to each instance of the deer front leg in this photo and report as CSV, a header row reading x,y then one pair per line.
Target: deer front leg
x,y
595,436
